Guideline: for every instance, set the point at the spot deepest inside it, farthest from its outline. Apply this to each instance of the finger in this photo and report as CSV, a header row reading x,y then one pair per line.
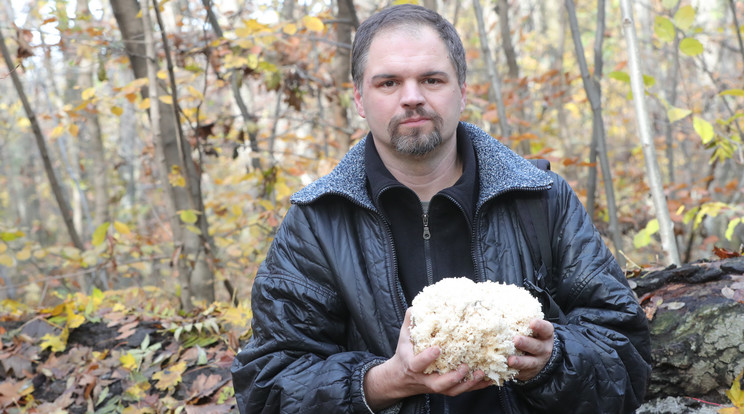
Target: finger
x,y
529,345
424,359
541,329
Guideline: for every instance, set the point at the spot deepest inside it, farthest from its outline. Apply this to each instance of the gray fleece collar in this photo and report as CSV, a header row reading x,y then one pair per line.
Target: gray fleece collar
x,y
500,170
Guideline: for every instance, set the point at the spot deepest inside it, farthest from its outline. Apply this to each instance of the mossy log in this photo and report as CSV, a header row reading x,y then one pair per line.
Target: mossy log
x,y
696,315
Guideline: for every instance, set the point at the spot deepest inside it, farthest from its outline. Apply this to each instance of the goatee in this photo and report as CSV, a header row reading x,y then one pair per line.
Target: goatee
x,y
414,141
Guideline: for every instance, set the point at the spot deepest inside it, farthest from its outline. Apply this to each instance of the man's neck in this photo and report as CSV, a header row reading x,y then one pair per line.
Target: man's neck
x,y
427,175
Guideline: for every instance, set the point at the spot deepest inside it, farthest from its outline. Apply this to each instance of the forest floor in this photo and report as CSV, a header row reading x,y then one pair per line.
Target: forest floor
x,y
130,352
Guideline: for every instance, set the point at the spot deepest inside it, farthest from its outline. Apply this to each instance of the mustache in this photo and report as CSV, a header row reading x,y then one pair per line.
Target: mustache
x,y
420,111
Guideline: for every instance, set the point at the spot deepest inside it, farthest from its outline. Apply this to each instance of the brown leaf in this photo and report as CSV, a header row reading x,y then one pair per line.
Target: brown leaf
x,y
127,330
204,386
724,253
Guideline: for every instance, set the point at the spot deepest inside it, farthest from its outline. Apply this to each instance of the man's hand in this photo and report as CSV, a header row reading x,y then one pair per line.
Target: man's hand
x,y
403,375
537,350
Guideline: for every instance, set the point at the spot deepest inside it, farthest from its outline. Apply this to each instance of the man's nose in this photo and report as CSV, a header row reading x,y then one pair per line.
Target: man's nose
x,y
411,95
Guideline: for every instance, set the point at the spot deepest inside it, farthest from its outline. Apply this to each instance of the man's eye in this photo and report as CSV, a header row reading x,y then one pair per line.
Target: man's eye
x,y
388,84
432,81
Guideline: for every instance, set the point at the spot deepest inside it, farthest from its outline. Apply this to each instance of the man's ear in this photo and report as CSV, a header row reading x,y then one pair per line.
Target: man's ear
x,y
358,102
463,90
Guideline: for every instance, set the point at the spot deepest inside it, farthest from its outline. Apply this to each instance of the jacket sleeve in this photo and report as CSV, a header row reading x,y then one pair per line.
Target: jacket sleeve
x,y
601,361
295,361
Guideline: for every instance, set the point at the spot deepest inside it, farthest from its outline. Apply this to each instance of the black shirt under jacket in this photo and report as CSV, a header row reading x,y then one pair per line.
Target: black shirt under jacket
x,y
448,252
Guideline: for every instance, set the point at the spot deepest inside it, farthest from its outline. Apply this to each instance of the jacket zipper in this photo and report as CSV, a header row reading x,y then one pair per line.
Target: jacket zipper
x,y
427,249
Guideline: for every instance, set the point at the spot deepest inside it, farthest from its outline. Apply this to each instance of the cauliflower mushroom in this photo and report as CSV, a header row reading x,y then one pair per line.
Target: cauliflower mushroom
x,y
472,323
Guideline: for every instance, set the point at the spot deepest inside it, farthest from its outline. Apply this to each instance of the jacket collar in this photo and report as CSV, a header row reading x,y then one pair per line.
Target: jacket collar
x,y
500,170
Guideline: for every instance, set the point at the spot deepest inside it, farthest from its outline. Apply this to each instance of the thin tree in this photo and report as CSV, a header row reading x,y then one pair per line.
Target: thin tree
x,y
248,118
666,228
57,189
594,93
494,92
346,19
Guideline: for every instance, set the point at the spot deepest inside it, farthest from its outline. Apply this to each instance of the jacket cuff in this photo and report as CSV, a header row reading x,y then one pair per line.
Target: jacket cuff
x,y
548,369
358,384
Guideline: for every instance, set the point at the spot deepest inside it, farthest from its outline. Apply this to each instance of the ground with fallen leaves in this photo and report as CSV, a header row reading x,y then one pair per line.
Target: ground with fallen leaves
x,y
128,351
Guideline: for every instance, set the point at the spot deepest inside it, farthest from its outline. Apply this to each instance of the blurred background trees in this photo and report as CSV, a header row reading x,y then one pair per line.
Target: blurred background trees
x,y
178,129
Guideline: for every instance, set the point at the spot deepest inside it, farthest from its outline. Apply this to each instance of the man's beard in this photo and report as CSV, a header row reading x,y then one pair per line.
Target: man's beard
x,y
415,142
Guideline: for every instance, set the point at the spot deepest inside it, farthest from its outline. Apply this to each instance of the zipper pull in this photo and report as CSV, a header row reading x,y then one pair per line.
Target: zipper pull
x,y
427,233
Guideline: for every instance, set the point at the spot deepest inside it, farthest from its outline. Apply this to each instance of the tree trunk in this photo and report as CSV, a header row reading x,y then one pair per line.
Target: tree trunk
x,y
190,258
511,61
594,93
57,190
341,67
696,315
494,92
666,227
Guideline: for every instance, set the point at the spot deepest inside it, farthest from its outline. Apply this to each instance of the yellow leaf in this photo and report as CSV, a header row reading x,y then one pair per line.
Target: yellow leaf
x,y
73,129
193,91
175,178
162,74
122,228
24,254
313,23
58,131
169,377
6,260
116,110
144,104
189,216
74,320
237,316
40,254
166,99
57,343
89,93
290,29
3,247
128,361
194,230
99,235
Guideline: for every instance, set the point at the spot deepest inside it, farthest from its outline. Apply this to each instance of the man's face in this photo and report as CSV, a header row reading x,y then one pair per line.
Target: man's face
x,y
410,93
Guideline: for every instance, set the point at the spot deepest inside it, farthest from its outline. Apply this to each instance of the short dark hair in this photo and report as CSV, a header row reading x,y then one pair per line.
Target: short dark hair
x,y
405,15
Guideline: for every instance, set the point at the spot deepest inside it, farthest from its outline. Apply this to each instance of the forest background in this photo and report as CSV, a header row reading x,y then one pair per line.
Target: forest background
x,y
124,203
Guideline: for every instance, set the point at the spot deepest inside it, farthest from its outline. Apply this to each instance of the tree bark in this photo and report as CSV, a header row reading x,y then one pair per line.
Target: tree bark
x,y
594,93
346,17
696,316
494,92
57,190
190,256
666,227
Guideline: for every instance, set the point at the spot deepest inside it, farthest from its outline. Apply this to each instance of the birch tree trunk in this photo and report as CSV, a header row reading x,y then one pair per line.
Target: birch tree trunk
x,y
666,228
594,93
494,92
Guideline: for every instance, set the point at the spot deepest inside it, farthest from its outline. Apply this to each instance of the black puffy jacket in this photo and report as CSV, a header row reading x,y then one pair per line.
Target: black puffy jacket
x,y
327,304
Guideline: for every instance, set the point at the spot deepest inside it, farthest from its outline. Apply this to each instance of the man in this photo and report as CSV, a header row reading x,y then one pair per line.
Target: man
x,y
421,198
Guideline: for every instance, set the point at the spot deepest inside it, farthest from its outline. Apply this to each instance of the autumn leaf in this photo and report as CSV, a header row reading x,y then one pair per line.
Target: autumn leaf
x,y
99,235
690,46
313,24
169,377
57,343
704,129
88,93
11,391
122,228
117,110
128,361
175,178
188,216
724,253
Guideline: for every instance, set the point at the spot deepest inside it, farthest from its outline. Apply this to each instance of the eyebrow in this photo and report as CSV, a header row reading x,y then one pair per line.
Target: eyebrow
x,y
385,76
